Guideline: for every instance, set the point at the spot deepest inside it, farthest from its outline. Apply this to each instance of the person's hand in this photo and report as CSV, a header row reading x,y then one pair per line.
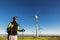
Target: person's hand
x,y
23,30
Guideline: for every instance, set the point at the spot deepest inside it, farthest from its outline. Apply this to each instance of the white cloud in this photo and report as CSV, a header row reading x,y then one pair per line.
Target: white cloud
x,y
2,32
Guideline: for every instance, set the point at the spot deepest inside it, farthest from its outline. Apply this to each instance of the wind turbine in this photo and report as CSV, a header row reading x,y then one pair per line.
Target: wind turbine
x,y
36,21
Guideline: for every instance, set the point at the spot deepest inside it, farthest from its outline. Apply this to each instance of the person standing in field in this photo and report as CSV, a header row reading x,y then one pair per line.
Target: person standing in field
x,y
12,29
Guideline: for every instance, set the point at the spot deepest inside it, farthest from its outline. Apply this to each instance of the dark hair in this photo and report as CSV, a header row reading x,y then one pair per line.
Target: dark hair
x,y
15,17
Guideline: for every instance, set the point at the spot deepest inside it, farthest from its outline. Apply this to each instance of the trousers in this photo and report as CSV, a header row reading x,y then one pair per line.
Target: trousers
x,y
12,37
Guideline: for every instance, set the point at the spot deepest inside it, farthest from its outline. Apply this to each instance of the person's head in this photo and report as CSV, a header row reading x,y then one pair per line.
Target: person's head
x,y
15,18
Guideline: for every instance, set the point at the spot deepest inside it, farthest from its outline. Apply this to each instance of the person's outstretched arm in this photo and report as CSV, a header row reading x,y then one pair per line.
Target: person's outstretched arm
x,y
20,30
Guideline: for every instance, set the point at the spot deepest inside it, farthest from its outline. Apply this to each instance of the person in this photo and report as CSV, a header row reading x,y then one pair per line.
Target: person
x,y
12,29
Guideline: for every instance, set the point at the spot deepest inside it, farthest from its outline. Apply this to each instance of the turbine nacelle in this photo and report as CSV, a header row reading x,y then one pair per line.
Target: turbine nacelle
x,y
36,16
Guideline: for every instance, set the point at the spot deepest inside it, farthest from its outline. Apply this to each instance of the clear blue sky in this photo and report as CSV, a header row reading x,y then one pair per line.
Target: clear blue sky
x,y
49,15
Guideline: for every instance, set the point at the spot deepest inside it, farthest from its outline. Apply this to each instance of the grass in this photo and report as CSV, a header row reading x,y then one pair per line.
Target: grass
x,y
34,38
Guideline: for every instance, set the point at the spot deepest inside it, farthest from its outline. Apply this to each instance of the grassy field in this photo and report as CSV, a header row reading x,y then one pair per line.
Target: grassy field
x,y
34,38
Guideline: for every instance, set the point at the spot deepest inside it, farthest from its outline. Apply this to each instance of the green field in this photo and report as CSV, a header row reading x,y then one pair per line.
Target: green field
x,y
34,38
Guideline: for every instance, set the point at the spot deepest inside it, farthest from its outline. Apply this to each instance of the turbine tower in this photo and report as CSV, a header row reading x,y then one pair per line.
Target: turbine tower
x,y
36,19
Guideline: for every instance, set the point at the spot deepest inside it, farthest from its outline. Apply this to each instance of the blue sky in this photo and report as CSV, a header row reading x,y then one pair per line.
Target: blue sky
x,y
49,15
